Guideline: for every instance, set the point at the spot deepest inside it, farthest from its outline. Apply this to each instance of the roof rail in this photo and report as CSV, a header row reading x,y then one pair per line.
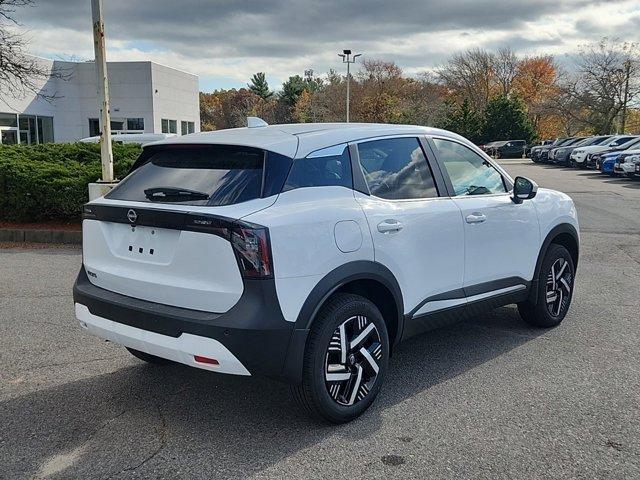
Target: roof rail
x,y
255,122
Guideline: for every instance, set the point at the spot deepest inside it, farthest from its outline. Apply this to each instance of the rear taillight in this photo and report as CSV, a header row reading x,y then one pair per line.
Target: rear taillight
x,y
253,251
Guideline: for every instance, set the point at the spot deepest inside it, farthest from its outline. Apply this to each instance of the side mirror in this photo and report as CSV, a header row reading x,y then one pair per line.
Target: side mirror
x,y
524,189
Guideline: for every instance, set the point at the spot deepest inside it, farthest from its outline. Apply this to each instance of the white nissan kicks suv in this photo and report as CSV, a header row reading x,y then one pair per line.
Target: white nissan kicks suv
x,y
308,252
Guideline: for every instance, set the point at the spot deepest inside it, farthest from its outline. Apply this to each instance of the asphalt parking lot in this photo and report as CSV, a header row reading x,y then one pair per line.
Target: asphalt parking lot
x,y
489,398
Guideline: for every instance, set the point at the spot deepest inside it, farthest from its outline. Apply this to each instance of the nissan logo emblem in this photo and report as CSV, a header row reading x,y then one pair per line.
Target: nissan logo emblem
x,y
132,216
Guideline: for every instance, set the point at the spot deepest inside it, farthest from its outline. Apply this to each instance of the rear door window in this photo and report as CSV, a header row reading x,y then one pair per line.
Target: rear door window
x,y
396,169
211,175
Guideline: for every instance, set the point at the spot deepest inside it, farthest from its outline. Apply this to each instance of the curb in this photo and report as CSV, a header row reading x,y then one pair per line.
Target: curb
x,y
28,235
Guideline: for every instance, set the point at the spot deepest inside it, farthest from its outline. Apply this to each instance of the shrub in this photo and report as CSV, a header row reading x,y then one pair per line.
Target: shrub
x,y
49,182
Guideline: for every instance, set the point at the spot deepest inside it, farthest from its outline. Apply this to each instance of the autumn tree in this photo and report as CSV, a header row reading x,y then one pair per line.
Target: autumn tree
x,y
605,73
470,75
506,67
536,84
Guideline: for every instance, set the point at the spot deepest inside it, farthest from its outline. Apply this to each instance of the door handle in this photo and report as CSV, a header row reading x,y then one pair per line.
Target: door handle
x,y
389,226
476,217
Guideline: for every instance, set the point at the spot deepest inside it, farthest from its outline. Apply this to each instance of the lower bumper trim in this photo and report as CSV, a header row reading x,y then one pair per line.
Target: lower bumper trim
x,y
181,349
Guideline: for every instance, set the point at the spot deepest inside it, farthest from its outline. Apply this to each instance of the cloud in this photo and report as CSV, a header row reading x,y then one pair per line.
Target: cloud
x,y
232,39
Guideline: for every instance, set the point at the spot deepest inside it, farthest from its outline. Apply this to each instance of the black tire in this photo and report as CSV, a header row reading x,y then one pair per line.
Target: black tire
x,y
147,357
554,297
340,317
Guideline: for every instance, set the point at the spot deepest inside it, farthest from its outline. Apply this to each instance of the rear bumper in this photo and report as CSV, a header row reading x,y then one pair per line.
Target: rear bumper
x,y
251,338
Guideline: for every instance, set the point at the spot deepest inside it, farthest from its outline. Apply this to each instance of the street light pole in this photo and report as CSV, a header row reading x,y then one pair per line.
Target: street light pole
x,y
627,72
106,154
346,58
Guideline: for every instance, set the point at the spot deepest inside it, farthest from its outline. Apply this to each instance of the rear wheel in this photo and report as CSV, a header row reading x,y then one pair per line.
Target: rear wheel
x,y
345,360
147,357
555,289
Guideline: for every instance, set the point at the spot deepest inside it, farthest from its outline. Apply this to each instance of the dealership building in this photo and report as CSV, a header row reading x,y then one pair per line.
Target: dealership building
x,y
145,98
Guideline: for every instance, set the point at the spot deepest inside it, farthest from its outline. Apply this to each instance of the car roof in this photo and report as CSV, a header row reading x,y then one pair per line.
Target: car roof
x,y
297,140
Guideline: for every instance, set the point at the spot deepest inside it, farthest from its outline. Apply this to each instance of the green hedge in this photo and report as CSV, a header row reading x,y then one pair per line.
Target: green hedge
x,y
49,182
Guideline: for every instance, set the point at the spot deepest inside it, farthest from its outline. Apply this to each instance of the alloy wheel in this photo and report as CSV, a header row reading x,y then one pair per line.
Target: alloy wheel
x,y
351,365
559,284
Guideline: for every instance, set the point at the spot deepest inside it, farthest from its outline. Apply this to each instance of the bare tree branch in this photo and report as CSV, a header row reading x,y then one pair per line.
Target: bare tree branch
x,y
21,74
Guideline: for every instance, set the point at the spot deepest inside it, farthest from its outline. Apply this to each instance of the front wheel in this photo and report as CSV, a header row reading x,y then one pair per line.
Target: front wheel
x,y
345,361
555,289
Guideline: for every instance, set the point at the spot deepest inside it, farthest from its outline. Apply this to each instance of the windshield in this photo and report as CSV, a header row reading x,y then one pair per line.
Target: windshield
x,y
631,144
195,175
600,140
616,142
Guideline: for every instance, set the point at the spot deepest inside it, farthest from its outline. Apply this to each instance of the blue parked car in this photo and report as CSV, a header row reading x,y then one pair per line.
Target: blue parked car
x,y
608,161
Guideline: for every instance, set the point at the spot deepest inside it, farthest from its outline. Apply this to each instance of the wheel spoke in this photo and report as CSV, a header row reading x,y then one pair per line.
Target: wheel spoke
x,y
565,285
361,337
355,386
551,296
559,274
343,344
560,297
365,353
338,377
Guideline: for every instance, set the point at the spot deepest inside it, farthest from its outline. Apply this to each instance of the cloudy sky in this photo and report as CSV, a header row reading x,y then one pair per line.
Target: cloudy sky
x,y
225,41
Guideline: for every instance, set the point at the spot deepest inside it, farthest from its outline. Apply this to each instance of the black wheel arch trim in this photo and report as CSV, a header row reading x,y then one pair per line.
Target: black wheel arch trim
x,y
341,276
551,236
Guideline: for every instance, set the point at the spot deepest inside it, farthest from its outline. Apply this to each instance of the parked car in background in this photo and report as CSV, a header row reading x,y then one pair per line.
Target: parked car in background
x,y
560,155
628,148
607,163
510,149
487,147
580,156
529,148
551,156
626,166
542,153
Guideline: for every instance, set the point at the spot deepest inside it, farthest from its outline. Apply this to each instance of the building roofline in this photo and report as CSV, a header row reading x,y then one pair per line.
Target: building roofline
x,y
112,61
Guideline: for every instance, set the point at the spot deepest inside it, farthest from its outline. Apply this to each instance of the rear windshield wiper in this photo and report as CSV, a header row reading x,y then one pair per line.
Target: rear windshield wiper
x,y
174,194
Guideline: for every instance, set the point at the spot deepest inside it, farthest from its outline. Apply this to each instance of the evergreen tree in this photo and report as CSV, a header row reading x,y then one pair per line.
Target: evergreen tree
x,y
464,120
292,89
259,86
506,119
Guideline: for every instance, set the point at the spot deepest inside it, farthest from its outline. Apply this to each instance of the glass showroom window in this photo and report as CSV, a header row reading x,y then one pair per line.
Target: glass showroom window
x,y
45,129
191,127
184,128
26,129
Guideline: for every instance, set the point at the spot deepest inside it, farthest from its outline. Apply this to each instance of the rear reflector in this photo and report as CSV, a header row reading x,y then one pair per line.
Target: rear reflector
x,y
210,361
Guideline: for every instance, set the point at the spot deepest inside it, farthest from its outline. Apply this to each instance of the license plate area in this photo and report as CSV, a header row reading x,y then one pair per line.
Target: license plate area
x,y
141,243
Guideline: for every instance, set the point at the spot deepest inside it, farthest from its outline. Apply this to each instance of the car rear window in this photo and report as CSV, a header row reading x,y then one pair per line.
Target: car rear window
x,y
212,175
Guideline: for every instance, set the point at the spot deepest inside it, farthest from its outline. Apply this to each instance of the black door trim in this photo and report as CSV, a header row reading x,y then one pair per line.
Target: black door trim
x,y
417,324
472,290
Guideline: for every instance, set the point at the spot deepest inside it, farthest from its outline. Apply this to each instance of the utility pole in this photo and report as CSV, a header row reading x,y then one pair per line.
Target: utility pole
x,y
627,72
106,153
346,54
